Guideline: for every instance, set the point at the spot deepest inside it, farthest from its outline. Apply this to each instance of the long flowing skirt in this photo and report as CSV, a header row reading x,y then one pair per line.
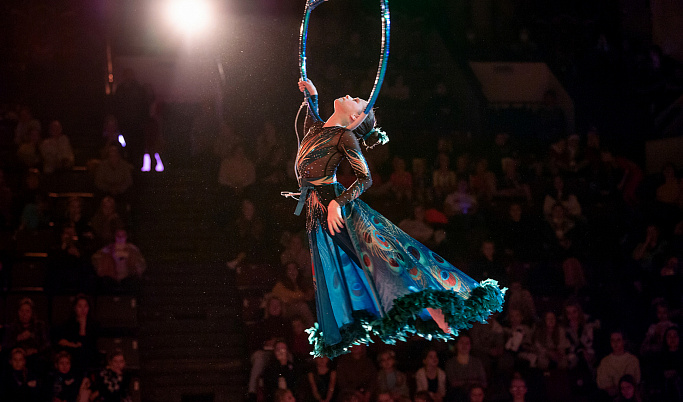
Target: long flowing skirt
x,y
374,279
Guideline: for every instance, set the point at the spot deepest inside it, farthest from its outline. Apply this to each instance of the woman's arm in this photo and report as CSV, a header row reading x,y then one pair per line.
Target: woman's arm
x,y
348,145
330,387
312,101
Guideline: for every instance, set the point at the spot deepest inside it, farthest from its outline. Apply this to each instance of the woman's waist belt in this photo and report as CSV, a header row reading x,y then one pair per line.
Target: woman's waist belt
x,y
307,184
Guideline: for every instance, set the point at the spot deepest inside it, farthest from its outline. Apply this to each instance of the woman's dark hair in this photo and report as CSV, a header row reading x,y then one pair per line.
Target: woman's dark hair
x,y
365,127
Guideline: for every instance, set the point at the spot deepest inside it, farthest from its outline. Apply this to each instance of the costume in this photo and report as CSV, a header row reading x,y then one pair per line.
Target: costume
x,y
372,278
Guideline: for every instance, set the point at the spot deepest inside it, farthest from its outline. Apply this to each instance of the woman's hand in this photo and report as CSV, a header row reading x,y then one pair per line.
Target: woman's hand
x,y
307,85
334,217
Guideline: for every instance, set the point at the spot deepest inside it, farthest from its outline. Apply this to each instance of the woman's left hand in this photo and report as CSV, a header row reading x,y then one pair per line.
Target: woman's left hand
x,y
335,222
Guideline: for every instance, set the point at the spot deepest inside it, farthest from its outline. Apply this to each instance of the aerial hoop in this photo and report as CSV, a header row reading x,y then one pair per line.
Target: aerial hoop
x,y
384,55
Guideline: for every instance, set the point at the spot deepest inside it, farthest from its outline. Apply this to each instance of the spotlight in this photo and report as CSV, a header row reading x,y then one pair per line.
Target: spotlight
x,y
189,16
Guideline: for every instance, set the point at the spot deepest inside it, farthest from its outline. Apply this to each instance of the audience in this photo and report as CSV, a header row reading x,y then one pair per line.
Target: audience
x,y
55,150
617,364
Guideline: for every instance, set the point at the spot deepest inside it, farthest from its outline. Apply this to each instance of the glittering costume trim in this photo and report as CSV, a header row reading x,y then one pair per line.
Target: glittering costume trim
x,y
403,320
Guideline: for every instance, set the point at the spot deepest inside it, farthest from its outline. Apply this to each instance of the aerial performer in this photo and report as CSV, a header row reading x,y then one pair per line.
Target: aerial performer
x,y
370,277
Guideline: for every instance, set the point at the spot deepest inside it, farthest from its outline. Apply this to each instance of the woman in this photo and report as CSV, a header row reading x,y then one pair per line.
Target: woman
x,y
431,378
464,370
370,276
389,379
294,296
79,335
550,343
29,334
322,380
280,372
113,383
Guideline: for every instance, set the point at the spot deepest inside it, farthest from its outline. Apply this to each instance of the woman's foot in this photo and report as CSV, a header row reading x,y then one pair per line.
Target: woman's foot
x,y
440,320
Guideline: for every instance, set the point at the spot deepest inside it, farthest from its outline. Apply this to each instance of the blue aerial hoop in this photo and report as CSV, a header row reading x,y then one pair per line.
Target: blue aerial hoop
x,y
384,55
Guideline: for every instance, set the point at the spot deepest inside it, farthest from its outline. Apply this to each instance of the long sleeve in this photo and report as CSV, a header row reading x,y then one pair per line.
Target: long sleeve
x,y
348,145
312,115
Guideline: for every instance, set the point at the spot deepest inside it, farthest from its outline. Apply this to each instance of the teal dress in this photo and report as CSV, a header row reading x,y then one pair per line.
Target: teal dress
x,y
372,279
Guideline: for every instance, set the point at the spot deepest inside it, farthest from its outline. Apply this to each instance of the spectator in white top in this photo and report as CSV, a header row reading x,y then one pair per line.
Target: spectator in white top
x,y
617,364
56,150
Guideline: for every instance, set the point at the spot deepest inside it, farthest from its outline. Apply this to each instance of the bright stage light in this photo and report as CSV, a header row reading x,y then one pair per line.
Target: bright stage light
x,y
190,16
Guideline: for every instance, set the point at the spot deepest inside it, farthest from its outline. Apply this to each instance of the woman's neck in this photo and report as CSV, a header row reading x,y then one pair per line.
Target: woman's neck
x,y
337,120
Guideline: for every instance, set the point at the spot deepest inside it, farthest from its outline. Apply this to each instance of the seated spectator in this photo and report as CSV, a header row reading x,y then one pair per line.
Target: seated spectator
x,y
294,295
654,337
64,384
668,367
29,334
111,135
5,202
518,389
488,345
558,194
520,299
389,379
616,365
443,178
249,237
356,374
518,234
75,218
119,264
483,181
79,336
24,126
69,266
105,221
423,396
628,390
296,251
301,349
401,180
263,337
476,394
488,265
56,150
581,354
670,192
280,373
653,246
461,201
431,379
37,214
322,380
417,227
284,395
114,175
550,343
518,339
464,370
237,172
511,183
19,383
29,151
561,232
422,182
113,383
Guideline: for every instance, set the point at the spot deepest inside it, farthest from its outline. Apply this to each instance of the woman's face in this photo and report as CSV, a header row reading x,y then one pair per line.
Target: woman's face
x,y
627,389
464,345
248,210
431,360
25,313
64,365
550,320
349,106
292,272
82,308
672,340
477,395
386,361
117,363
18,361
572,313
281,351
515,317
274,307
